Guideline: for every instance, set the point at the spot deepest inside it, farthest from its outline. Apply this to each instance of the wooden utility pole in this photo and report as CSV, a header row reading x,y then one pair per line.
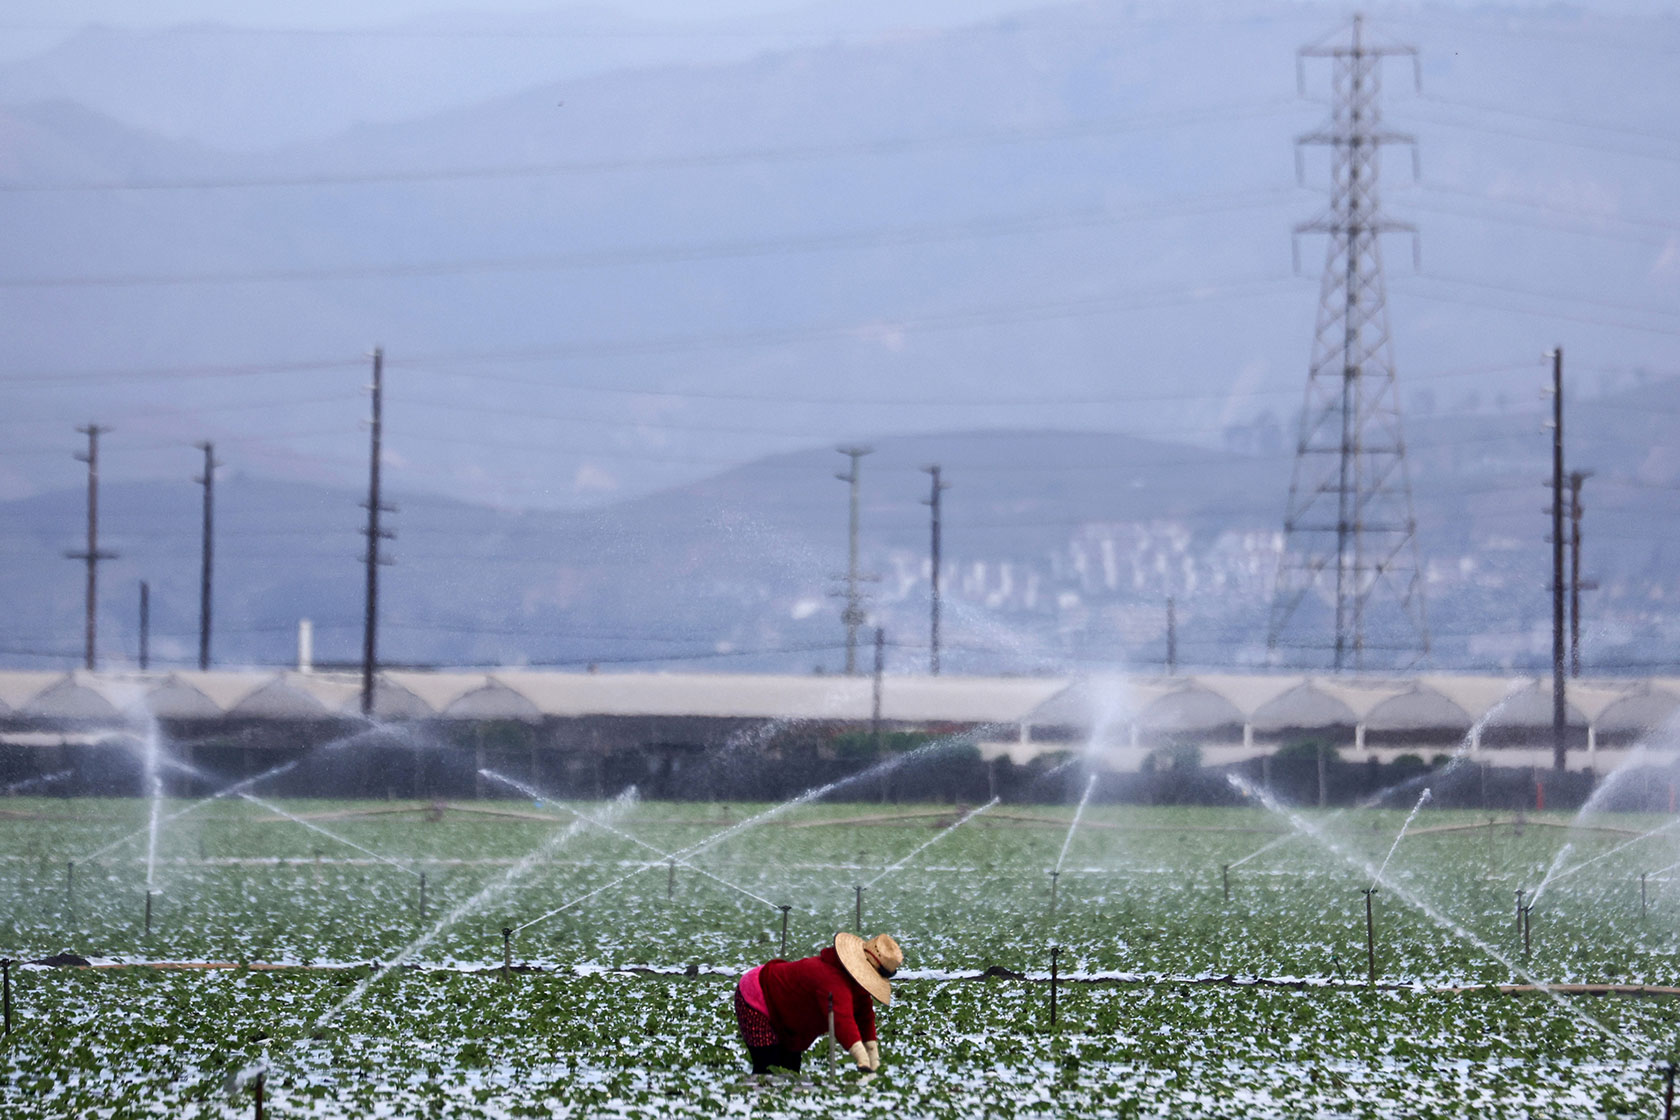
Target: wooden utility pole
x,y
933,502
1172,637
852,614
370,616
145,625
1560,714
92,554
206,551
1576,583
880,673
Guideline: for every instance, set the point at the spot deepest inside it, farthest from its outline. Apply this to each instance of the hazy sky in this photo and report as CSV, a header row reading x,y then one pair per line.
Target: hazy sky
x,y
32,25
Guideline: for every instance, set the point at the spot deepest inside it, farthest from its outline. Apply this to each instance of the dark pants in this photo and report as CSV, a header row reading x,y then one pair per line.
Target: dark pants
x,y
759,1036
764,1057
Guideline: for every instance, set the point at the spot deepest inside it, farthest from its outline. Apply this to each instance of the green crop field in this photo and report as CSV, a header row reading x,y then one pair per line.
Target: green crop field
x,y
1183,988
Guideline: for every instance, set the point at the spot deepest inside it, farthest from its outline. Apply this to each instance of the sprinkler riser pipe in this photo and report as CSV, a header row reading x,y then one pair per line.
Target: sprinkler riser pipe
x,y
1370,937
1668,1092
784,910
859,891
6,971
1054,875
1055,978
670,879
257,1095
1642,894
148,913
1225,879
507,953
831,1046
422,896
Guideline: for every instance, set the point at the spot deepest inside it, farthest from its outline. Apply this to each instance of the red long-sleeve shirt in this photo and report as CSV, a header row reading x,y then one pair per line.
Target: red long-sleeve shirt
x,y
797,993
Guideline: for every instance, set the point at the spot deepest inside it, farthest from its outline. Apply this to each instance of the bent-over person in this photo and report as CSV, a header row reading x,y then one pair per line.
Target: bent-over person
x,y
782,1006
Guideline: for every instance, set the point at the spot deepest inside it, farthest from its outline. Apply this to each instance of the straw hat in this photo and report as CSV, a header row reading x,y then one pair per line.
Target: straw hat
x,y
870,962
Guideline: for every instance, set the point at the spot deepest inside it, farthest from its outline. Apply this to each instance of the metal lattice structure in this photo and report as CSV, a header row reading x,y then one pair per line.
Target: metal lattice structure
x,y
1350,538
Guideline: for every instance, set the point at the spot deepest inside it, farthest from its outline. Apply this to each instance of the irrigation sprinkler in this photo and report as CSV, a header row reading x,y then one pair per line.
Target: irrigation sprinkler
x,y
1642,896
1054,875
1519,910
255,1075
1055,979
148,913
1668,1090
70,886
1225,879
784,909
1527,910
670,879
831,1028
422,896
1370,936
507,953
6,984
859,890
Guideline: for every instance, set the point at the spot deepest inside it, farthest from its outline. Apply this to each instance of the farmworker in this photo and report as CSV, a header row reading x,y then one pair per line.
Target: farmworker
x,y
782,1006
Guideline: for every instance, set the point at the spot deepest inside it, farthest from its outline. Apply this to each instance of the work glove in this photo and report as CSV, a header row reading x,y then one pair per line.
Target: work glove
x,y
860,1056
874,1050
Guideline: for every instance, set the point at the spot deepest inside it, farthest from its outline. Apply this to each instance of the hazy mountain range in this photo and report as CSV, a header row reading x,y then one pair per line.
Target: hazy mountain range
x,y
1060,550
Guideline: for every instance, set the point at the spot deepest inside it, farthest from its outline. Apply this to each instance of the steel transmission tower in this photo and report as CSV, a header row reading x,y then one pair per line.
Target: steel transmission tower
x,y
1350,533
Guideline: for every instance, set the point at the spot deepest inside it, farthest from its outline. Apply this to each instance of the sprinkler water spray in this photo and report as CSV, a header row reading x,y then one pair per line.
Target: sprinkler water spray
x,y
670,879
784,909
1225,879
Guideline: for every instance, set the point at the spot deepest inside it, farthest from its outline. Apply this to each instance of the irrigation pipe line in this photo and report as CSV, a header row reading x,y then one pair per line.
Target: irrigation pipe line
x,y
994,973
619,832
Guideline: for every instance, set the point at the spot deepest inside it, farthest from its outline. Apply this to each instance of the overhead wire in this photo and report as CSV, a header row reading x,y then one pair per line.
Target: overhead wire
x,y
1230,113
905,236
